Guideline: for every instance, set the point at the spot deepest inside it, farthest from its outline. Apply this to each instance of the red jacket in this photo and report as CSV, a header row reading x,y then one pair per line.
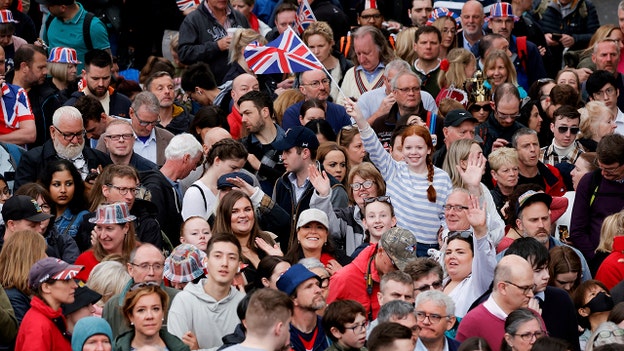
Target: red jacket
x,y
88,260
611,272
38,331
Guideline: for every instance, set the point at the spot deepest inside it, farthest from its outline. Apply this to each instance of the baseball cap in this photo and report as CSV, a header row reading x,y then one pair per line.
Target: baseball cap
x,y
83,297
222,183
23,207
51,268
312,215
297,136
293,277
532,196
456,117
400,244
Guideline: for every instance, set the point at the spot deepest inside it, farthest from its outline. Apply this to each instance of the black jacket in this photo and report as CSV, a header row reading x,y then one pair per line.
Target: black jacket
x,y
61,246
119,104
141,163
167,201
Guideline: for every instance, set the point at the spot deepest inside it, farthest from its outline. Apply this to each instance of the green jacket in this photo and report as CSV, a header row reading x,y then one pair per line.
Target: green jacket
x,y
124,341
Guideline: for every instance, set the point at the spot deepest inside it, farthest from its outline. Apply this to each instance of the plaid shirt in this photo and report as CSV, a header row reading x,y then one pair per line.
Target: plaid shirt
x,y
549,156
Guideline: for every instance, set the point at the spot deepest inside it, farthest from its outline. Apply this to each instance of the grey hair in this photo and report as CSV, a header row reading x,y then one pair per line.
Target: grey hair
x,y
438,298
108,278
595,340
617,45
398,65
398,309
147,99
517,318
311,263
183,144
621,5
401,74
521,132
459,190
66,113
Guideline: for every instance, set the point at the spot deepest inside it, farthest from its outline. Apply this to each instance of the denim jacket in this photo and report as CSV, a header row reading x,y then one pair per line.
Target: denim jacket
x,y
63,221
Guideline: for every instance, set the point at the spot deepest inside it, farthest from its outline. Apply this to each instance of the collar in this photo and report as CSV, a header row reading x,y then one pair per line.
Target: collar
x,y
421,347
228,11
494,308
541,295
293,179
152,137
423,72
379,67
79,14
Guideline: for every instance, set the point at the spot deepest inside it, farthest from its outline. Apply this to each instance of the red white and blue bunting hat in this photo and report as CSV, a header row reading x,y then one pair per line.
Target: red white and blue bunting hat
x,y
443,12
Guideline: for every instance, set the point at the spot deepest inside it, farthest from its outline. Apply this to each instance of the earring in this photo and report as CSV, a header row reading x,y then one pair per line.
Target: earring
x,y
132,323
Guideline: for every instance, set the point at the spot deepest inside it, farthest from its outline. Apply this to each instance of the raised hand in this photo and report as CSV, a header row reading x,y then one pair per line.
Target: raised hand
x,y
266,247
477,216
242,185
320,181
475,167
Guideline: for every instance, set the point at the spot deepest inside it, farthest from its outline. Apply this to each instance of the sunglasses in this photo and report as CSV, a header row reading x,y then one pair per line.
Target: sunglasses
x,y
476,108
573,130
464,234
369,200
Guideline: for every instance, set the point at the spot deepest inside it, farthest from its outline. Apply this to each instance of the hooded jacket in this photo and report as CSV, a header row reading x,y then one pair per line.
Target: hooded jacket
x,y
167,201
210,320
38,330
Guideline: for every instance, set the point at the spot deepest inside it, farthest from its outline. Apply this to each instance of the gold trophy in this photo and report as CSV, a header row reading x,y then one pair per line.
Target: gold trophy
x,y
477,88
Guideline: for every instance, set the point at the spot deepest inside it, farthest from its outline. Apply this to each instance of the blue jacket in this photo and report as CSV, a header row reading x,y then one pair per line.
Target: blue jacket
x,y
335,115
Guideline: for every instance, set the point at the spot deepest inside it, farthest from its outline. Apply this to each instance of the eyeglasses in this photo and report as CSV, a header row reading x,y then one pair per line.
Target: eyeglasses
x,y
70,136
358,328
530,336
143,123
606,93
455,208
449,31
433,286
608,333
118,137
124,191
409,90
142,285
476,108
433,318
525,289
367,184
573,130
610,170
323,283
146,266
367,17
45,208
369,200
505,116
317,83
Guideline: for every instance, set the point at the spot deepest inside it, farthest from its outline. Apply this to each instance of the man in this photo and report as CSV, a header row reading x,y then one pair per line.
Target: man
x,y
527,60
21,212
531,169
427,65
149,141
303,287
458,124
406,89
426,274
97,74
285,16
394,251
267,321
210,304
435,316
487,44
146,266
606,56
395,285
390,337
598,195
472,20
315,84
372,53
264,160
293,190
119,141
240,86
420,12
512,289
501,125
603,86
173,117
66,28
67,142
183,155
397,311
94,118
201,87
203,35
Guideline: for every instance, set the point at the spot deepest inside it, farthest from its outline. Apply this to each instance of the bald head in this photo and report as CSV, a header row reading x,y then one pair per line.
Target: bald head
x,y
242,84
143,263
214,135
513,283
472,19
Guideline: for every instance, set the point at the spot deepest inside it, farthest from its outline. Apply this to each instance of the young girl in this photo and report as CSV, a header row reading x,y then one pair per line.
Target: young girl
x,y
333,158
195,231
378,217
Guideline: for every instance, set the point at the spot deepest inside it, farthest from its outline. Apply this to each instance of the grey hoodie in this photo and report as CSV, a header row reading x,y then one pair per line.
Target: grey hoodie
x,y
194,310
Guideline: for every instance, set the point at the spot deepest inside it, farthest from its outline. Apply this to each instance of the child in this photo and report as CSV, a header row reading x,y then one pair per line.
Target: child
x,y
345,323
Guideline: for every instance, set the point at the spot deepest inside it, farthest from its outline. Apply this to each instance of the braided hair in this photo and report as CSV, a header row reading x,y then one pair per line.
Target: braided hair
x,y
424,133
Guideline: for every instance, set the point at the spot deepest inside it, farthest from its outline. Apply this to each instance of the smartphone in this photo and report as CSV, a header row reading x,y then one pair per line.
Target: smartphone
x,y
556,36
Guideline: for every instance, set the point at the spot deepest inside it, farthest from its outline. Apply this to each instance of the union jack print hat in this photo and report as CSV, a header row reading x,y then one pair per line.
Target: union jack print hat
x,y
443,12
6,16
117,213
63,55
51,268
502,9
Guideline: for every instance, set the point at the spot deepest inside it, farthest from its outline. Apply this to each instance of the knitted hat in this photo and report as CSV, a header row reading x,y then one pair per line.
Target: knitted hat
x,y
88,327
63,55
185,264
117,213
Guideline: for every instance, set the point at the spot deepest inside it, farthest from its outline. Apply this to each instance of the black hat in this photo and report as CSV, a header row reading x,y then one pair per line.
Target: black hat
x,y
23,207
456,117
297,136
83,297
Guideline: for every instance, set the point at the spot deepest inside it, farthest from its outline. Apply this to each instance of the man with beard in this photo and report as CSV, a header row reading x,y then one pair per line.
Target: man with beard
x,y
304,288
67,142
472,19
97,76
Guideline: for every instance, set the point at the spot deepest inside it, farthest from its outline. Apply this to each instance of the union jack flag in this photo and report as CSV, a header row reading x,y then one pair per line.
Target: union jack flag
x,y
286,54
305,16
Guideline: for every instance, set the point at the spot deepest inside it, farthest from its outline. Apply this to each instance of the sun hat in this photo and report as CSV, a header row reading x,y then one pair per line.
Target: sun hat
x,y
117,213
185,264
293,277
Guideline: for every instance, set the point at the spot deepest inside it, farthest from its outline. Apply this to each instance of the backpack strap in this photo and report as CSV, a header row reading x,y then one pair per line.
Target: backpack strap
x,y
86,30
523,54
594,184
202,194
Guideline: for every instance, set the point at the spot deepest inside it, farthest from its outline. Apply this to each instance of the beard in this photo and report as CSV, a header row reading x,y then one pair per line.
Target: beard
x,y
68,152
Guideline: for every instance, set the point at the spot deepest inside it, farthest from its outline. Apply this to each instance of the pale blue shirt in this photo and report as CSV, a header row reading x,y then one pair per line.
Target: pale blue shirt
x,y
298,190
148,149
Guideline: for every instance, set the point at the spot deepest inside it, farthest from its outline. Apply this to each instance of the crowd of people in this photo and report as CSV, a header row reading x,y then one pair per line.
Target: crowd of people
x,y
451,179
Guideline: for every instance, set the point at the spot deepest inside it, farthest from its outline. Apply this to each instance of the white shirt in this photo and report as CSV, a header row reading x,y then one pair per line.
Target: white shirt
x,y
148,149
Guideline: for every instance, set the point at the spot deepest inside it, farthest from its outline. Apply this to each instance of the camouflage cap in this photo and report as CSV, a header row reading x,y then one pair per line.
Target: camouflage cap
x,y
400,244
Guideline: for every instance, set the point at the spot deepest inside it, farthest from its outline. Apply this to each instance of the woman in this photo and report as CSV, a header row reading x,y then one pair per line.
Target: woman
x,y
270,269
530,116
67,190
310,110
418,189
91,334
144,309
62,82
186,264
597,120
115,234
461,65
448,24
504,170
44,327
465,164
57,245
240,39
322,129
608,333
609,251
404,45
286,99
498,70
522,328
568,76
196,231
349,138
319,37
108,279
469,260
313,241
29,247
333,159
5,191
236,215
593,303
480,110
564,269
246,7
200,199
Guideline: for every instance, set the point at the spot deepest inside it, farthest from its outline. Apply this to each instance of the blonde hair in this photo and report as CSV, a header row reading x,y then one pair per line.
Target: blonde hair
x,y
612,226
58,70
286,99
503,156
458,59
18,255
490,60
108,278
457,152
404,45
318,28
240,39
590,115
602,33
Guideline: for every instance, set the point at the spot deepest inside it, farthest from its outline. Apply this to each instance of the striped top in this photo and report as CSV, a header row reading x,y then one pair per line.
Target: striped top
x,y
408,191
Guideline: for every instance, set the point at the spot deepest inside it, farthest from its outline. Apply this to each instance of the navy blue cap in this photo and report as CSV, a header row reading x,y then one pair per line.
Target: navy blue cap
x,y
293,277
297,136
223,183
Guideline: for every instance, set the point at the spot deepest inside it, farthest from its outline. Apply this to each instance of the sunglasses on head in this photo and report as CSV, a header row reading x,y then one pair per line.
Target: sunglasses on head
x,y
464,234
476,108
369,200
